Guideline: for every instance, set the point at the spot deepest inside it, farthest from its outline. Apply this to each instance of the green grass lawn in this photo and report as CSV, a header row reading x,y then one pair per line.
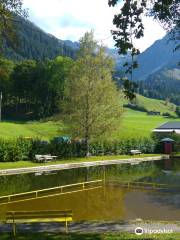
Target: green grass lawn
x,y
22,164
43,130
133,124
115,236
136,124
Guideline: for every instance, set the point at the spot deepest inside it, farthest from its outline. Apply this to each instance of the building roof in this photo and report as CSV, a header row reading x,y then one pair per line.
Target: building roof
x,y
169,125
167,140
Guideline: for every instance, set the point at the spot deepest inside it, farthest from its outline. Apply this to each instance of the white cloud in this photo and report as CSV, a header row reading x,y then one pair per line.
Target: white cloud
x,y
70,19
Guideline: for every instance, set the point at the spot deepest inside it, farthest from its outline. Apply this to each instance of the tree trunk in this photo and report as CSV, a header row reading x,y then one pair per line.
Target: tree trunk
x,y
87,146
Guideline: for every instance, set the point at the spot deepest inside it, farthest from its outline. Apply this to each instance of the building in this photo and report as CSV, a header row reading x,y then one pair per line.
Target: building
x,y
154,113
169,127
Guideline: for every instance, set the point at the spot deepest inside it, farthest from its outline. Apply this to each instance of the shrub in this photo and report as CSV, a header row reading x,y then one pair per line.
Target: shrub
x,y
15,150
26,149
145,145
136,107
166,114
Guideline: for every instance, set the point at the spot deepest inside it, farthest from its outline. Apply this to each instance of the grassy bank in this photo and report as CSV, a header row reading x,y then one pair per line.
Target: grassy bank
x,y
22,164
116,236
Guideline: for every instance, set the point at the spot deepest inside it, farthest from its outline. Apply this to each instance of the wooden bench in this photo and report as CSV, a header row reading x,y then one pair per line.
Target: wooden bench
x,y
135,152
38,217
44,158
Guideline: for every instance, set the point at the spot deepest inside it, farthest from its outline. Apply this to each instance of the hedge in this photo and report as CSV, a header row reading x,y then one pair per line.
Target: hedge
x,y
15,150
26,149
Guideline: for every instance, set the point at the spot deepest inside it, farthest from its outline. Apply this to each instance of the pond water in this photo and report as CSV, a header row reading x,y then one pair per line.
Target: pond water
x,y
112,202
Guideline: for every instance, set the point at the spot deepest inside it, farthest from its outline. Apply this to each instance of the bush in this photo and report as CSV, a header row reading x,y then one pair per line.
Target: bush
x,y
166,114
15,150
178,111
26,149
136,107
123,147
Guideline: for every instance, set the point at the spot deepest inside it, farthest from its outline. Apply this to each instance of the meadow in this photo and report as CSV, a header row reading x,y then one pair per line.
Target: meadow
x,y
133,124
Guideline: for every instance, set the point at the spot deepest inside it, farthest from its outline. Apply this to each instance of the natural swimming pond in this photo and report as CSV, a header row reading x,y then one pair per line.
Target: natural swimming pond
x,y
112,202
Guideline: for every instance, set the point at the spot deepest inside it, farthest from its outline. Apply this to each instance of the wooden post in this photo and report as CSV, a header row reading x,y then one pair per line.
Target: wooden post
x,y
104,174
87,174
104,179
0,106
14,226
66,226
14,229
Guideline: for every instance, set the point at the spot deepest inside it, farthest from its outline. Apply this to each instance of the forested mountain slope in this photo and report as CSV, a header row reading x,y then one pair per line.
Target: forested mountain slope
x,y
35,44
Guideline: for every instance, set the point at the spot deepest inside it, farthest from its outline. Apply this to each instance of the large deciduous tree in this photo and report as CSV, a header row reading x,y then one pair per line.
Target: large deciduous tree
x,y
40,85
6,68
92,104
23,82
130,25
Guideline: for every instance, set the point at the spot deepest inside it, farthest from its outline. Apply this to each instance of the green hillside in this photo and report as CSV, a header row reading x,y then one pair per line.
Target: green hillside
x,y
133,124
35,44
154,104
43,130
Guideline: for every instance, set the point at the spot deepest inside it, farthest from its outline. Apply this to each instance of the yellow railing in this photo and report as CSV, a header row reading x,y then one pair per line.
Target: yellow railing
x,y
49,192
144,185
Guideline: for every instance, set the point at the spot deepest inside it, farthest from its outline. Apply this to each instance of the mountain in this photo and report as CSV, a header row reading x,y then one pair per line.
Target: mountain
x,y
34,43
159,58
163,84
158,73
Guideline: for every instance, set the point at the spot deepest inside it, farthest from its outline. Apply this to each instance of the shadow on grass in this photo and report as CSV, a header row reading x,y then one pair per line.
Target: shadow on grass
x,y
48,236
76,236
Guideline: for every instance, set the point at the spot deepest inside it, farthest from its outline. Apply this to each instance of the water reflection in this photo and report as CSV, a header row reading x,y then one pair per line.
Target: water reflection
x,y
111,203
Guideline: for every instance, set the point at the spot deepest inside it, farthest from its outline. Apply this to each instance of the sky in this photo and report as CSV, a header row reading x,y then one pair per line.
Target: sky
x,y
70,19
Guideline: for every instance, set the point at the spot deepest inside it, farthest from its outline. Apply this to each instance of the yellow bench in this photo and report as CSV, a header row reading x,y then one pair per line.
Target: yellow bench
x,y
38,217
